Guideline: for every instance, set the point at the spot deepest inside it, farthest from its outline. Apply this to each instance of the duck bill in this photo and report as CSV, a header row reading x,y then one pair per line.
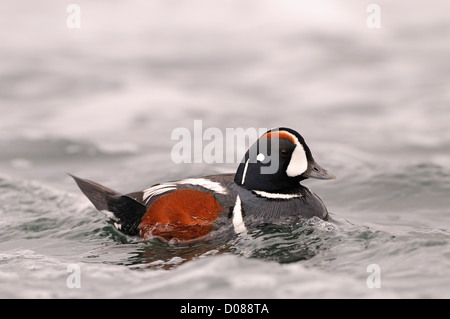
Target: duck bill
x,y
316,171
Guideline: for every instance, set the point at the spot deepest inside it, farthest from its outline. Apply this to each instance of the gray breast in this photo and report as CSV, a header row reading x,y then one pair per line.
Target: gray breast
x,y
285,210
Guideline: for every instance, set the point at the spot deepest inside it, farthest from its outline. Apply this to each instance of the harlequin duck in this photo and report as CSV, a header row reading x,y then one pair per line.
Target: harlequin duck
x,y
266,189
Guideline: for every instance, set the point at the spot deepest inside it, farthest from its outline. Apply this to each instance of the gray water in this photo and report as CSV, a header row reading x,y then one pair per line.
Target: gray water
x,y
101,102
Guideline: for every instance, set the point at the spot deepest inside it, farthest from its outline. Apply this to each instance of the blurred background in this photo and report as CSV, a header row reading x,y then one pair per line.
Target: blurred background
x,y
134,71
101,102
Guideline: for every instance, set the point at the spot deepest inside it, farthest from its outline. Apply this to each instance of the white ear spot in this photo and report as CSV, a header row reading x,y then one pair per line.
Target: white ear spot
x,y
260,157
299,163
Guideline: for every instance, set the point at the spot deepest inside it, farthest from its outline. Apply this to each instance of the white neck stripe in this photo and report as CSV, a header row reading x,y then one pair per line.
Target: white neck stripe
x,y
277,195
245,172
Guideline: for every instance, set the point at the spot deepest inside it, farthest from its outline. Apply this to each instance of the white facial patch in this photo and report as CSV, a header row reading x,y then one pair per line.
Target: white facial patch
x,y
299,163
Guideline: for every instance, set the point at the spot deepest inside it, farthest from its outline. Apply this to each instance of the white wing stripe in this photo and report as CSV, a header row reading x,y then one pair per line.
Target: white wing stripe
x,y
164,188
157,190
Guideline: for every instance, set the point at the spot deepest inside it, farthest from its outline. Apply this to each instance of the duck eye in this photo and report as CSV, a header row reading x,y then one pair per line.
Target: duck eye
x,y
284,152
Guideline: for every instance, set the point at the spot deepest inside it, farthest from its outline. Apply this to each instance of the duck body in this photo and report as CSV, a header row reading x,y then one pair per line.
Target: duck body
x,y
194,208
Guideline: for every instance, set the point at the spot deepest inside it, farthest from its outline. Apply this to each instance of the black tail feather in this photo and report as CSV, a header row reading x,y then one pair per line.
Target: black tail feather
x,y
98,194
126,212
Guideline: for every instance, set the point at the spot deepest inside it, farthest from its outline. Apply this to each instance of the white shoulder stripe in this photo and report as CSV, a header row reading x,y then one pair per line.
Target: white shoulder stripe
x,y
277,195
238,221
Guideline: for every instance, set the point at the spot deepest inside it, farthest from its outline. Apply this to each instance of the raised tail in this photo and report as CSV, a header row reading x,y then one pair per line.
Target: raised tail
x,y
124,212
